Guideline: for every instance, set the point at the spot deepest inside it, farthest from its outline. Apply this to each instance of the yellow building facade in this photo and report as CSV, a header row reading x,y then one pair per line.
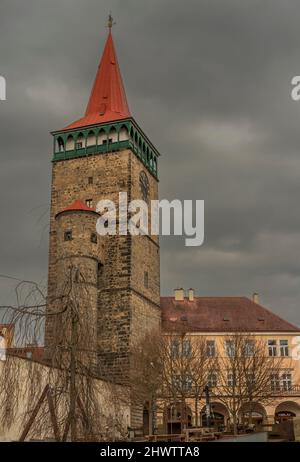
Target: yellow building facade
x,y
215,321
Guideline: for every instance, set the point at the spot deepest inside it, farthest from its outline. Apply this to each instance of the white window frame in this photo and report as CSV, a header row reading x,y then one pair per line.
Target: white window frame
x,y
230,348
284,347
275,381
249,348
272,348
212,379
211,348
231,382
287,381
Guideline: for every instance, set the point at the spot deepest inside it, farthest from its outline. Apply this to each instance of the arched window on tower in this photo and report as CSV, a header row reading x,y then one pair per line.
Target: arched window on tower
x,y
151,160
60,145
113,135
102,137
91,139
80,142
123,134
70,145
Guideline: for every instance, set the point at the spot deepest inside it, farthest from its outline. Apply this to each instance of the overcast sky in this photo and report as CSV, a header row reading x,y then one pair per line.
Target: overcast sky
x,y
209,81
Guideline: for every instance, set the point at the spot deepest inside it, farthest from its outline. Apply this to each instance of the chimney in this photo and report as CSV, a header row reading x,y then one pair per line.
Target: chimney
x,y
179,295
255,298
191,295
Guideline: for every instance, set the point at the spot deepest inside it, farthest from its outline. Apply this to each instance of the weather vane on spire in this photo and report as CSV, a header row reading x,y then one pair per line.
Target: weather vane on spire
x,y
111,21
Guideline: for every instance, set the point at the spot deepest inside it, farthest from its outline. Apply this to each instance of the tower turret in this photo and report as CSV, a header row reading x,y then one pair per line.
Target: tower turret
x,y
78,269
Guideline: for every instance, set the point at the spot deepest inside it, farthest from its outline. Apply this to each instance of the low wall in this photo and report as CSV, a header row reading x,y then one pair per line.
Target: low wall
x,y
21,385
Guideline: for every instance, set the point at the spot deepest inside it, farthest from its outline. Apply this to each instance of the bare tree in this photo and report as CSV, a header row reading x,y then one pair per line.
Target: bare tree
x,y
186,370
60,396
171,368
244,374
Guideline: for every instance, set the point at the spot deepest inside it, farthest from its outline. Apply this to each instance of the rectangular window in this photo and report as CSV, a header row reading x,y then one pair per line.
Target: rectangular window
x,y
249,348
231,382
90,180
284,348
286,380
275,381
176,382
210,349
68,235
78,145
230,348
212,379
182,384
186,348
272,347
89,203
174,349
94,238
250,378
146,279
187,383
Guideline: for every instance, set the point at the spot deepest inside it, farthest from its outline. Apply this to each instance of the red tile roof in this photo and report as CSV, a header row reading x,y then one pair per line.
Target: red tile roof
x,y
78,206
221,314
108,100
35,353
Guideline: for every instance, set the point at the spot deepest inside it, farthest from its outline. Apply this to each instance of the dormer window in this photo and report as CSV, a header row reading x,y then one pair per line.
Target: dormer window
x,y
89,203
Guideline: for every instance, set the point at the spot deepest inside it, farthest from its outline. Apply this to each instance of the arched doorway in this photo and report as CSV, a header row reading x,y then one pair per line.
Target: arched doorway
x,y
178,416
286,411
253,414
219,416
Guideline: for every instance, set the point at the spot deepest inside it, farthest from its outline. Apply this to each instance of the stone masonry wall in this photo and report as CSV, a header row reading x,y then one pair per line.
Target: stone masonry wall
x,y
126,306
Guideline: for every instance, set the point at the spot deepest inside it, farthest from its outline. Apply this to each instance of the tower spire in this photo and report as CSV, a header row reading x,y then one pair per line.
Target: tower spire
x,y
108,100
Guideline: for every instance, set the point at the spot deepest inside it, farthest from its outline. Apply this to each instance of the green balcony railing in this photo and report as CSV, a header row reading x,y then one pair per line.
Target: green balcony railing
x,y
102,149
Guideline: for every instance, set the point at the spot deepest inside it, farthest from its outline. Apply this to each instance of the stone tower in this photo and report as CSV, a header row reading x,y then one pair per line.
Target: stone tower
x,y
97,157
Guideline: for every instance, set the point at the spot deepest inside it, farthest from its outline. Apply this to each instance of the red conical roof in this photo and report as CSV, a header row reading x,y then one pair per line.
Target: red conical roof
x,y
108,100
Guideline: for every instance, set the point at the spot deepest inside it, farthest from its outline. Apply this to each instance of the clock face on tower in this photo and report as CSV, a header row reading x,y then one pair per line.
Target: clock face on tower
x,y
144,186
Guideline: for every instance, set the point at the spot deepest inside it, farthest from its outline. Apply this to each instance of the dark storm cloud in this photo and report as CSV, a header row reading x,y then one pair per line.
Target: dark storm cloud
x,y
209,81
